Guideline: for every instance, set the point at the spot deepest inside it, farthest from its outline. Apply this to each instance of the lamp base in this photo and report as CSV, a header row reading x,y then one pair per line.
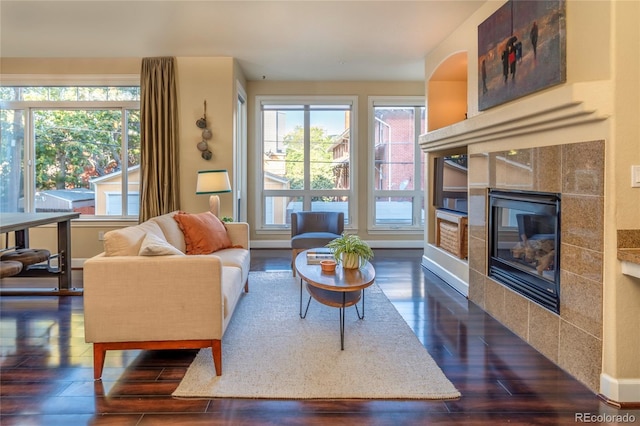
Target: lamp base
x,y
214,205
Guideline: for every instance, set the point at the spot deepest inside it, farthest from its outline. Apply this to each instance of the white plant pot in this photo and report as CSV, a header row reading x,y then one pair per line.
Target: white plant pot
x,y
350,261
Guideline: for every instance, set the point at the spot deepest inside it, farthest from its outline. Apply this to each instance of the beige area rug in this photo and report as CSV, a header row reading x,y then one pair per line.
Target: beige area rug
x,y
270,352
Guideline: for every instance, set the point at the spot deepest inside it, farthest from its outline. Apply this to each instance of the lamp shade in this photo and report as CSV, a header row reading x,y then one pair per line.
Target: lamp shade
x,y
212,182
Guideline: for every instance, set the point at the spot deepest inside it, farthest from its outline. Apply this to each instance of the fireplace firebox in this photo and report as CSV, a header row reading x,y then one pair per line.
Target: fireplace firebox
x,y
524,244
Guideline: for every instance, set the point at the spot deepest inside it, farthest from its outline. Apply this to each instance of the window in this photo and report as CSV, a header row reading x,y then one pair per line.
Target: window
x,y
396,163
306,147
70,149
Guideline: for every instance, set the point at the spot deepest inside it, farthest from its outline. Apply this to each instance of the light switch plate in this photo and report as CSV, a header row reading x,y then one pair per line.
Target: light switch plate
x,y
635,176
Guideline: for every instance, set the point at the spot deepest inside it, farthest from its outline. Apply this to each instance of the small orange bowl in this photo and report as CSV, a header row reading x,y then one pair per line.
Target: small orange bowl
x,y
328,265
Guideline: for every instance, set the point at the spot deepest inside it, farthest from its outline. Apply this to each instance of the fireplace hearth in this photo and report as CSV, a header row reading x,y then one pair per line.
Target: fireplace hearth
x,y
524,244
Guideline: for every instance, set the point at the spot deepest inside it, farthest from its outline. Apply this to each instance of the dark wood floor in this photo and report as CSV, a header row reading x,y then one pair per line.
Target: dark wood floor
x,y
46,368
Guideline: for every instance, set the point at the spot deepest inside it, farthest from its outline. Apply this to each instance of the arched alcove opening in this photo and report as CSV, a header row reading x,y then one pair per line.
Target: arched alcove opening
x,y
447,92
446,105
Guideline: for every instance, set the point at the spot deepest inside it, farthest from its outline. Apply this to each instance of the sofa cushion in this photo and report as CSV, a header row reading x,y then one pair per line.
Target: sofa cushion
x,y
203,232
127,241
312,239
155,245
240,258
231,289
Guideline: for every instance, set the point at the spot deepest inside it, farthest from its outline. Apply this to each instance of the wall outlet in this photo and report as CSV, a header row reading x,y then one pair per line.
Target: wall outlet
x,y
100,235
635,176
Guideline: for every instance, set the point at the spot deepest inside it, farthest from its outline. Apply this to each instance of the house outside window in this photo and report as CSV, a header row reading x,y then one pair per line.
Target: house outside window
x,y
396,163
306,157
63,148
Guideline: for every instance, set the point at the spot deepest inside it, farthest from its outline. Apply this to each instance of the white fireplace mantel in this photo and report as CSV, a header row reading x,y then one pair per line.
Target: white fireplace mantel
x,y
631,269
566,106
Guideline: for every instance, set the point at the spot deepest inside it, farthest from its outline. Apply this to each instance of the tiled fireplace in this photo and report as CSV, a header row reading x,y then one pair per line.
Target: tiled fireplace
x,y
524,244
571,338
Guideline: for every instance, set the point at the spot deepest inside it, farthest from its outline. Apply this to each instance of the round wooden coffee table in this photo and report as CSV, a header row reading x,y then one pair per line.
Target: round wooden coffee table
x,y
339,289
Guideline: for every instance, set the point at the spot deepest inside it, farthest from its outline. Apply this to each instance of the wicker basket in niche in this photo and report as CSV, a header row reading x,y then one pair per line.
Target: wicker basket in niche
x,y
451,234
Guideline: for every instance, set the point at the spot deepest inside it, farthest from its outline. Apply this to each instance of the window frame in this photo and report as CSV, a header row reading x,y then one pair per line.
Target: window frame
x,y
417,194
261,194
29,137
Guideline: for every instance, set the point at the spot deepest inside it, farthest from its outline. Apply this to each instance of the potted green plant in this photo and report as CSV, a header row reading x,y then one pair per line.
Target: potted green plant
x,y
350,250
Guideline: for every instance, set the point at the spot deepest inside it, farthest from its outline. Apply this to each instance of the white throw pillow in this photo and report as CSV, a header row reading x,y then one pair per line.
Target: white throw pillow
x,y
170,230
127,241
154,245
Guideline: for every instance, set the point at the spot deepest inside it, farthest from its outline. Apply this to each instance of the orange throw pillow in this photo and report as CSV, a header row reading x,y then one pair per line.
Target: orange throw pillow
x,y
203,233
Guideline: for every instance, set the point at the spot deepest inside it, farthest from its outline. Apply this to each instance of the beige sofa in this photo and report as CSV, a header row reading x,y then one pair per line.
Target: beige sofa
x,y
143,292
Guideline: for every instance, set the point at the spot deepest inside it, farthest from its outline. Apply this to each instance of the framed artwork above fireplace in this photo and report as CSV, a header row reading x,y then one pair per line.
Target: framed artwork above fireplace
x,y
521,50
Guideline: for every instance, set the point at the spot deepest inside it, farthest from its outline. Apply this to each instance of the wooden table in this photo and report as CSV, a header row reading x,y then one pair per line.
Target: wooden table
x,y
19,223
339,289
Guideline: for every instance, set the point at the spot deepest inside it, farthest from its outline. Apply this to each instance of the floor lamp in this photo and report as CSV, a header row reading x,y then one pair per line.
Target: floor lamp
x,y
213,182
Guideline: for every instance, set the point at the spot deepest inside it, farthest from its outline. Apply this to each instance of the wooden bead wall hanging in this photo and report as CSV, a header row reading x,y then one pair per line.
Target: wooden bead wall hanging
x,y
203,145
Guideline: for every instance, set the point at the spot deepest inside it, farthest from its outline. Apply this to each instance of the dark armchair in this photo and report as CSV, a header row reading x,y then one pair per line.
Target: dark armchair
x,y
313,229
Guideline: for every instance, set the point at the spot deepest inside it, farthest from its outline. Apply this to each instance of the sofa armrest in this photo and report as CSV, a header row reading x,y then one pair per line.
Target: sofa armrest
x,y
238,233
153,298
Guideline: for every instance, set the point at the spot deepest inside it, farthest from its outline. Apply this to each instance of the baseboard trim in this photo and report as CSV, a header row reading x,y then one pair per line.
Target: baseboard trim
x,y
454,281
77,263
623,393
396,244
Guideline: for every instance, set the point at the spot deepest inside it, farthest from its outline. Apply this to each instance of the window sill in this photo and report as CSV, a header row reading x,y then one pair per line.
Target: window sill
x,y
399,231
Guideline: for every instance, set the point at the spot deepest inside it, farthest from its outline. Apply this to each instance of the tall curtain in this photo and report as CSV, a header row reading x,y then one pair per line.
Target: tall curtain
x,y
159,177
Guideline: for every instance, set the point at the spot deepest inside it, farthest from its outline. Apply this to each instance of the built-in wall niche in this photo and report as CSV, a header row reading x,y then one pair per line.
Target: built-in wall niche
x,y
450,183
450,198
447,92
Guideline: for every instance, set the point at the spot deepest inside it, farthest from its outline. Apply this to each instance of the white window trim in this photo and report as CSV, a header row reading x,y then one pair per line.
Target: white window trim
x,y
70,79
373,101
35,80
240,153
352,193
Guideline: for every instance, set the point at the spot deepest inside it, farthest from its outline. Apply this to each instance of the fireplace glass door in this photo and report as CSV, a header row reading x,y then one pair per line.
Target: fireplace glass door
x,y
524,244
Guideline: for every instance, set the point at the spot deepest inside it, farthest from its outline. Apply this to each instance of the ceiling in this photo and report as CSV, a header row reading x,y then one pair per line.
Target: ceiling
x,y
274,40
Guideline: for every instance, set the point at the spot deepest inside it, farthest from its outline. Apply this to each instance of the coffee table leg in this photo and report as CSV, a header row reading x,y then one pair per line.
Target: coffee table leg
x,y
308,303
357,310
344,302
